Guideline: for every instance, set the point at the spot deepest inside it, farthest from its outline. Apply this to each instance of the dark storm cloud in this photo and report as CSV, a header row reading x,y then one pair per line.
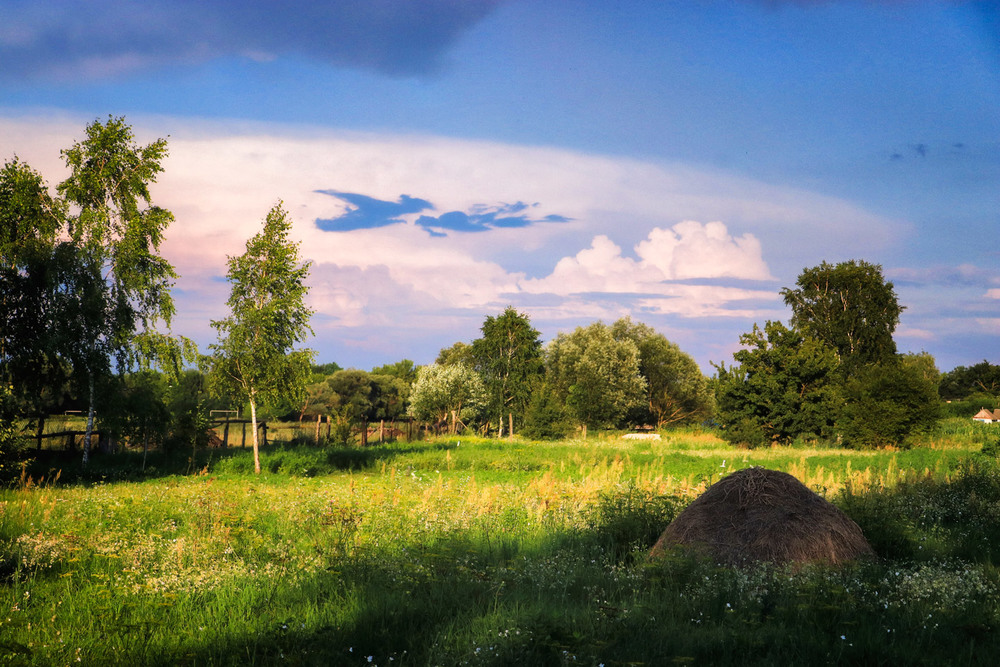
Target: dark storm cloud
x,y
368,213
68,38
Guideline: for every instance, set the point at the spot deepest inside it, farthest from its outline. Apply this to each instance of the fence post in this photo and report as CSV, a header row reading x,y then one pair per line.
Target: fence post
x,y
225,434
318,418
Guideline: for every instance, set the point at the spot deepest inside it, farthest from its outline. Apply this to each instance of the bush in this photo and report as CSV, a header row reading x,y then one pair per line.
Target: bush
x,y
744,433
886,404
12,443
547,417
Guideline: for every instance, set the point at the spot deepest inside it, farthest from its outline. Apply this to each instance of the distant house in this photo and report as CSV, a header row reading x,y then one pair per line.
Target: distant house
x,y
988,417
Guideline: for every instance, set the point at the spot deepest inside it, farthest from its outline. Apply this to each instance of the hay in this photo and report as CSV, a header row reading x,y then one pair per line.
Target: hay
x,y
764,515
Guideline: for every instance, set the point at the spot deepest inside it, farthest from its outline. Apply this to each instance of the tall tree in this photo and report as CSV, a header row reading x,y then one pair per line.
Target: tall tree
x,y
509,358
850,307
596,375
255,359
119,231
676,390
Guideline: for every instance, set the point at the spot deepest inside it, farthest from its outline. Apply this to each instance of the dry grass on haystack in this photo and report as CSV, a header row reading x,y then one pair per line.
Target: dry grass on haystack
x,y
764,515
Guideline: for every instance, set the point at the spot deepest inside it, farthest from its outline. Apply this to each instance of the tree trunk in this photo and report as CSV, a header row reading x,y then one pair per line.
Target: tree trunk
x,y
510,431
90,422
256,447
145,442
41,429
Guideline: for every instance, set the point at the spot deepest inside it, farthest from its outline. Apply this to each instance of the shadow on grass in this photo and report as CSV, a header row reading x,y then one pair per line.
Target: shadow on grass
x,y
926,518
588,596
289,458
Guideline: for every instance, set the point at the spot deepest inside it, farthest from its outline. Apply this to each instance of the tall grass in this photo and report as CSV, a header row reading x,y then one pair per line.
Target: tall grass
x,y
473,551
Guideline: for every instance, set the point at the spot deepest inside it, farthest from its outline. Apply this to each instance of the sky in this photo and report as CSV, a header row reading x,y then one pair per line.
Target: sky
x,y
675,162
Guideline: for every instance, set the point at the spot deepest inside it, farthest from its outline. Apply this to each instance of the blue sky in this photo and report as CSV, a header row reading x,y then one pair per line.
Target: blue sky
x,y
676,162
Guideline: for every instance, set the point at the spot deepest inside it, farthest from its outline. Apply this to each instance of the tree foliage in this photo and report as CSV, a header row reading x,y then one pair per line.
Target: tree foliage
x,y
887,403
782,387
509,358
404,369
447,392
596,375
119,229
83,269
30,354
962,382
848,306
459,353
355,394
255,359
676,390
547,417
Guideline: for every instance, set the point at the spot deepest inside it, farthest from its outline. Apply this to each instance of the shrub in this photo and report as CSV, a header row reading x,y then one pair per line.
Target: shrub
x,y
547,418
12,442
886,404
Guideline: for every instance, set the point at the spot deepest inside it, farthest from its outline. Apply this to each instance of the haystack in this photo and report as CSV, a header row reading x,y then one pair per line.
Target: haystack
x,y
764,515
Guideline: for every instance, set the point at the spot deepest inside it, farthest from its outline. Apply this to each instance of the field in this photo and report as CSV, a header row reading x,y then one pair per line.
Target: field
x,y
462,550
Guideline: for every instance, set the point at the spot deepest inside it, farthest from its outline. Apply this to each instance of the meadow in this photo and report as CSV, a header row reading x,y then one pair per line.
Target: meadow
x,y
470,551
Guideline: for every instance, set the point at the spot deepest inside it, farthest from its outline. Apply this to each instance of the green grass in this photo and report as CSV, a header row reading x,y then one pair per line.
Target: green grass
x,y
482,552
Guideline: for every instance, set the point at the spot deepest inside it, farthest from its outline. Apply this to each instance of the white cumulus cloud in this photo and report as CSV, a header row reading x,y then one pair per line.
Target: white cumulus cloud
x,y
687,251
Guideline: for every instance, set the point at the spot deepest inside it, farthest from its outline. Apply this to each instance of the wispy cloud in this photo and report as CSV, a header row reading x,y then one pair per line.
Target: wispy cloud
x,y
65,38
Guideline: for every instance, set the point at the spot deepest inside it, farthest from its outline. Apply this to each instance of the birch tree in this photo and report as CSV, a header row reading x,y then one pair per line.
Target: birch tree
x,y
255,359
509,358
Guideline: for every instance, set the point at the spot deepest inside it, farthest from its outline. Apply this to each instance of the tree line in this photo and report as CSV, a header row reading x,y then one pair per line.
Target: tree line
x,y
86,306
